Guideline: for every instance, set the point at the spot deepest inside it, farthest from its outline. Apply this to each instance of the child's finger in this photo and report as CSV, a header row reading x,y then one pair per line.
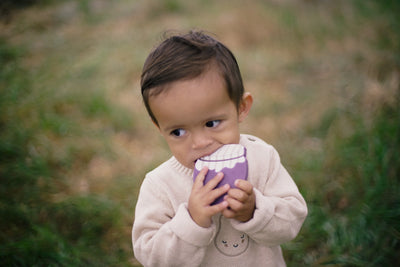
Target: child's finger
x,y
214,181
234,204
217,192
238,194
228,213
198,182
244,185
214,209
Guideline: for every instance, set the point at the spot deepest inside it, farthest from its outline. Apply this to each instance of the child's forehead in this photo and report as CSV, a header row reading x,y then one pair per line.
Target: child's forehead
x,y
211,74
194,99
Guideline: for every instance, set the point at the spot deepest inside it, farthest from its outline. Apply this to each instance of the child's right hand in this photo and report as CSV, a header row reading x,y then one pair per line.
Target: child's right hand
x,y
203,195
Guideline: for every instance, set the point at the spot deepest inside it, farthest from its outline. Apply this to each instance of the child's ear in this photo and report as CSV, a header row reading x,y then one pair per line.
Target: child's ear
x,y
245,106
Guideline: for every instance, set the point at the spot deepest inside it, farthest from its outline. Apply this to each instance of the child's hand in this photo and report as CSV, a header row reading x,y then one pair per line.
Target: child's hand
x,y
203,195
242,201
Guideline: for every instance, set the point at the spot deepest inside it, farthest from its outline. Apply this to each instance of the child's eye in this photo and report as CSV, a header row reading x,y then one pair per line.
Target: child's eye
x,y
212,124
178,132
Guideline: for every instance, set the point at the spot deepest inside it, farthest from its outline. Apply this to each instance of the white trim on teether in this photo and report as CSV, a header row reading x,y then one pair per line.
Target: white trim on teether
x,y
225,157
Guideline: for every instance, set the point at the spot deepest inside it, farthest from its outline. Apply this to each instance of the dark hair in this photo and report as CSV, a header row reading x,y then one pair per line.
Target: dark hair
x,y
187,56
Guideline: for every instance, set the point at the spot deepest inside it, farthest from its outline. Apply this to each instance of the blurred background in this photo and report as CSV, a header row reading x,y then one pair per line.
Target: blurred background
x,y
76,142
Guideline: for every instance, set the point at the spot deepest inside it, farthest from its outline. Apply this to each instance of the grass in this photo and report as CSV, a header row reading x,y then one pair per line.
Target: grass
x,y
75,141
40,227
354,217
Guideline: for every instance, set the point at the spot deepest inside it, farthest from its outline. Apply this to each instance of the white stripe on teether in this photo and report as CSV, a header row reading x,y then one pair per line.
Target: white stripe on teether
x,y
225,157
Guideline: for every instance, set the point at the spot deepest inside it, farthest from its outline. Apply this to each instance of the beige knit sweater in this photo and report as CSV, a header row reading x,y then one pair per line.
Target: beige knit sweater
x,y
164,234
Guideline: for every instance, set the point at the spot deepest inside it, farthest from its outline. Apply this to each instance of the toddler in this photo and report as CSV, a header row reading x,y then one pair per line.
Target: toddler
x,y
193,91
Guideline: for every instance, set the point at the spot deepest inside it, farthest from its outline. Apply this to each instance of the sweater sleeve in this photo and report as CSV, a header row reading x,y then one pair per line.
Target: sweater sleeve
x,y
280,208
162,236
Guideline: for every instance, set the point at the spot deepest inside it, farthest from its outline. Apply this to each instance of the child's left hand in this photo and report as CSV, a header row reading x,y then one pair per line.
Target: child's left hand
x,y
241,200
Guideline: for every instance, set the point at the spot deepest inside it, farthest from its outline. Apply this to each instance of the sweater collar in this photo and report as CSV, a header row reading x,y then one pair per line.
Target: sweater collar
x,y
180,168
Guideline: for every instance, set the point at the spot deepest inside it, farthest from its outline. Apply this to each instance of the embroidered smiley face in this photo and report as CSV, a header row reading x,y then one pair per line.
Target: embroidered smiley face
x,y
229,241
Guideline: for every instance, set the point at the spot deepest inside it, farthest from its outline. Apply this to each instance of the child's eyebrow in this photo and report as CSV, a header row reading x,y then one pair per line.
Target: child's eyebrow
x,y
218,116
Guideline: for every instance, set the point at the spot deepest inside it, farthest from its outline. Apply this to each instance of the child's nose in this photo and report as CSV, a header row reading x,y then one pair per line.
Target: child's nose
x,y
200,141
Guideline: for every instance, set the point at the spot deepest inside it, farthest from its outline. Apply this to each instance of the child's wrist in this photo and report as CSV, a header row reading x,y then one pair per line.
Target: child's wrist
x,y
205,223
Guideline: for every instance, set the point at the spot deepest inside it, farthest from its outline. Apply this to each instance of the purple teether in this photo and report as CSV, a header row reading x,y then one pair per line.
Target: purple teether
x,y
229,159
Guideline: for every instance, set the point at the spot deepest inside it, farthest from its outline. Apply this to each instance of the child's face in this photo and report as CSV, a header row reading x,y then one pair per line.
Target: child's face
x,y
196,116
